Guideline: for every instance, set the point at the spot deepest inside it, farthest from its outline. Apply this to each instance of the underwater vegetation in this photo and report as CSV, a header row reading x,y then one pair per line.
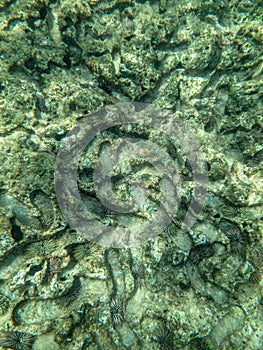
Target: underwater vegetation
x,y
61,61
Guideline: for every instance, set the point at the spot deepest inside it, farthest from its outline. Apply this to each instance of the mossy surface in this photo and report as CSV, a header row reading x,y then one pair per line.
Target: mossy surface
x,y
60,61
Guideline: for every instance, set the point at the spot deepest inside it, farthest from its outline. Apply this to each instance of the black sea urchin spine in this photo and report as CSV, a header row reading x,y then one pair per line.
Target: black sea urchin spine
x,y
17,340
117,312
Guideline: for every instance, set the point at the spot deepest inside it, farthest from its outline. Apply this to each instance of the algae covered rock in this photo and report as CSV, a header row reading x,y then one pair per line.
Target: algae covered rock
x,y
60,63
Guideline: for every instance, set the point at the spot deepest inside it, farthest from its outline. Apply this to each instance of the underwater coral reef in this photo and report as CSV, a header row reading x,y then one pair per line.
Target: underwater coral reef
x,y
61,62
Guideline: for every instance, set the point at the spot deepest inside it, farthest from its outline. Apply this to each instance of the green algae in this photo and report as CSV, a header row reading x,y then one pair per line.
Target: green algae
x,y
63,60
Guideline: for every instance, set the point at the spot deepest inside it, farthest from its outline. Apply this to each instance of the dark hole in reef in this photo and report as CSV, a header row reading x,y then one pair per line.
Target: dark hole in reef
x,y
30,63
59,137
210,125
184,286
16,231
200,252
72,106
34,269
67,61
31,22
43,13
